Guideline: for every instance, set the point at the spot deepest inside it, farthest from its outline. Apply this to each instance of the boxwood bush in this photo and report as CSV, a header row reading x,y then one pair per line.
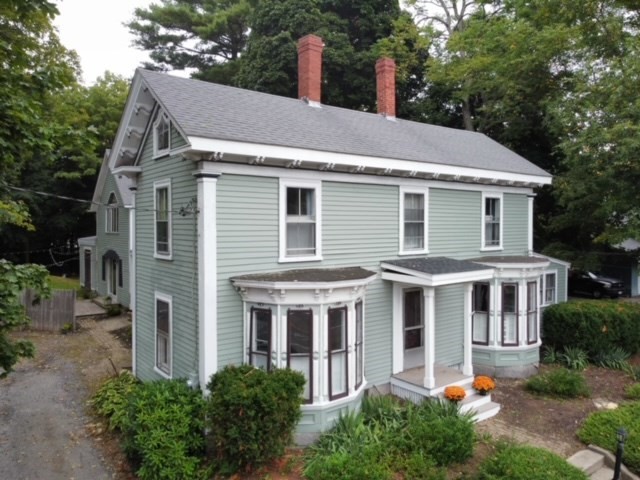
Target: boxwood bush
x,y
519,462
252,415
593,326
600,429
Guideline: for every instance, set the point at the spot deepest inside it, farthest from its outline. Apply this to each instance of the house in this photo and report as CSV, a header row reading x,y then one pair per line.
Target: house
x,y
366,251
104,258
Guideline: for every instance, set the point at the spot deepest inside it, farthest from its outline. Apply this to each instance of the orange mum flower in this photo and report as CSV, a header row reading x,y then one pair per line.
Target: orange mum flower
x,y
483,384
454,393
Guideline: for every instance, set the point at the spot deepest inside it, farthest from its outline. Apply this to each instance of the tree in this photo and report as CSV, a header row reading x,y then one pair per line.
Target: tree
x,y
205,35
14,279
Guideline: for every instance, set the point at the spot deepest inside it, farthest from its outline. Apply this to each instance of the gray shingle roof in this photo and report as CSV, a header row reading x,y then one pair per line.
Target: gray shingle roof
x,y
436,265
208,110
315,275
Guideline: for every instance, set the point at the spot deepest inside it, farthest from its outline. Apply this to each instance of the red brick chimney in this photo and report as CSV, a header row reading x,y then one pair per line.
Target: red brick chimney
x,y
310,67
386,86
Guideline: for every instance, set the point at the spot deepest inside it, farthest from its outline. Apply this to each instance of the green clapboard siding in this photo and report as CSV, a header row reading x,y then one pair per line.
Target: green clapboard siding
x,y
449,325
177,277
118,242
516,224
454,223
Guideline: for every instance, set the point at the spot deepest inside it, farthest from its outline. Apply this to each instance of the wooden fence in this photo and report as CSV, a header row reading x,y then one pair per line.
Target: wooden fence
x,y
52,313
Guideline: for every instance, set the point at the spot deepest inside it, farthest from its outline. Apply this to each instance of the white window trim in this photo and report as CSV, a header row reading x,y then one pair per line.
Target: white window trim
x,y
425,193
169,300
483,246
317,186
543,280
156,186
108,218
157,152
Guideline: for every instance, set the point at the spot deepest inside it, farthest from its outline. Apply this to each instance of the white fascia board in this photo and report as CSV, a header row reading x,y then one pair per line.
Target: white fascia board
x,y
100,183
128,171
322,158
136,84
426,280
304,285
554,260
514,266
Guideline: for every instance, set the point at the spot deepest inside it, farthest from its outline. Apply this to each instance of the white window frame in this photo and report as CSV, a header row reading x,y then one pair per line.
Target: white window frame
x,y
483,245
158,186
317,186
111,215
543,282
168,299
157,152
425,193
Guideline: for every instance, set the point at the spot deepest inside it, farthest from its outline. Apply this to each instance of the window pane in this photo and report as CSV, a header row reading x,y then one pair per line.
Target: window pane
x,y
293,201
301,238
550,288
532,327
412,308
480,327
300,331
414,207
338,373
162,316
510,332
162,204
481,297
492,222
413,338
509,300
337,329
413,235
162,236
301,364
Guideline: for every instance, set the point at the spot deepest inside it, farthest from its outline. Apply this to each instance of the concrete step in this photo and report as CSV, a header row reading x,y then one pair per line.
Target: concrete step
x,y
605,473
474,401
587,460
486,411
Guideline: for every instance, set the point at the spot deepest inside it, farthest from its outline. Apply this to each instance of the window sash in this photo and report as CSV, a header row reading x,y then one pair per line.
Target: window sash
x,y
413,221
260,338
510,314
532,313
338,358
492,222
163,133
480,317
300,347
550,288
163,339
162,221
300,221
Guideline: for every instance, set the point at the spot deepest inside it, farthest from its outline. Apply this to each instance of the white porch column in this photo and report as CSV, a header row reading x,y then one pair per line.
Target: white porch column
x,y
467,365
430,336
398,330
522,312
530,224
207,277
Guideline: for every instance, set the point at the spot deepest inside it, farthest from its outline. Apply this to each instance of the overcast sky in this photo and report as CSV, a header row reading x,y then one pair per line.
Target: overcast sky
x,y
93,28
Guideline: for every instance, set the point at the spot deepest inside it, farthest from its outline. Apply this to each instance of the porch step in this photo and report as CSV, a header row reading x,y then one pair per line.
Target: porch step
x,y
486,411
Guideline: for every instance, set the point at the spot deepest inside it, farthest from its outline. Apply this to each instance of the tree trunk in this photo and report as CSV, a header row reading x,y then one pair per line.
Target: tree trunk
x,y
466,116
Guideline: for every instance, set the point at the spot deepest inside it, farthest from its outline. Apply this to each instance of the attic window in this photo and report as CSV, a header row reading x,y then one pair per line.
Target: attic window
x,y
162,135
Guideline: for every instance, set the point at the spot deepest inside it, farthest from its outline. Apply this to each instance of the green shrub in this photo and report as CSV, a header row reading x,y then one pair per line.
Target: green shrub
x,y
600,429
252,414
593,326
417,466
559,382
361,464
383,410
633,391
164,430
513,462
112,398
574,358
614,358
550,355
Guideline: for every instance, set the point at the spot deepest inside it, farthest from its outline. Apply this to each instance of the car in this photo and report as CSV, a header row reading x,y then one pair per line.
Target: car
x,y
594,285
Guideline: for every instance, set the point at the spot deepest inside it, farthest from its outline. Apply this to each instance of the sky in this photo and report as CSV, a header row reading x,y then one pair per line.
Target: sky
x,y
93,28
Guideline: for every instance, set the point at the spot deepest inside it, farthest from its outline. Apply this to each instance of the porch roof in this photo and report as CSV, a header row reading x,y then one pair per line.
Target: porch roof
x,y
434,271
303,278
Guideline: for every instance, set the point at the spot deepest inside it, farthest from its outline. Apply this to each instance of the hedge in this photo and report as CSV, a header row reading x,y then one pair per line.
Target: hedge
x,y
594,326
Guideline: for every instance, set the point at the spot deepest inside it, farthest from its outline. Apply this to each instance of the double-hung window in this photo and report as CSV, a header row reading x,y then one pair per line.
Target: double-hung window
x,y
163,322
413,221
338,364
300,221
492,215
300,347
548,286
532,313
162,209
112,214
510,314
481,313
161,135
260,338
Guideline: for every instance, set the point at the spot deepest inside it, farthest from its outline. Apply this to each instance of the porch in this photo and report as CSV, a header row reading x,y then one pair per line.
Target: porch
x,y
409,385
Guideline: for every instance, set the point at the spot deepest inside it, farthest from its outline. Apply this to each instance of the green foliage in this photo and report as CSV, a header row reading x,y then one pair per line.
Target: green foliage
x,y
519,462
600,429
63,283
593,326
574,358
614,358
559,382
112,398
550,355
252,414
13,280
163,429
633,391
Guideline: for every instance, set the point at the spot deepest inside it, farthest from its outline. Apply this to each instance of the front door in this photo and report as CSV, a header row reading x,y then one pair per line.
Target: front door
x,y
87,269
112,279
413,308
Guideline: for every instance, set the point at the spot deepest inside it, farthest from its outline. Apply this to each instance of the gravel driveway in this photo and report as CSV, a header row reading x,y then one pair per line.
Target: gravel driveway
x,y
43,419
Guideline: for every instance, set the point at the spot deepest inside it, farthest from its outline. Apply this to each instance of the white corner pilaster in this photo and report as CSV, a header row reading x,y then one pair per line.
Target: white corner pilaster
x,y
207,277
467,365
430,334
530,225
397,332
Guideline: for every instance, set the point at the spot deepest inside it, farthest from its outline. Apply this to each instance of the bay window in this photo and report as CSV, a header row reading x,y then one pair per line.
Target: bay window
x,y
260,338
509,314
338,368
481,304
532,313
300,347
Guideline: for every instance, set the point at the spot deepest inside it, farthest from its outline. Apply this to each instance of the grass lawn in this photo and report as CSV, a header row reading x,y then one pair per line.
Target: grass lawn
x,y
64,283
